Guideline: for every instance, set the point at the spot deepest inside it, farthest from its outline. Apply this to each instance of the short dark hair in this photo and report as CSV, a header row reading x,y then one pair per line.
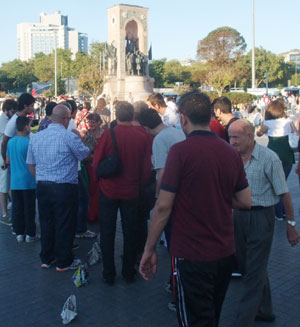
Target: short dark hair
x,y
196,106
124,111
149,118
222,103
10,104
73,105
49,108
95,117
21,122
25,99
157,99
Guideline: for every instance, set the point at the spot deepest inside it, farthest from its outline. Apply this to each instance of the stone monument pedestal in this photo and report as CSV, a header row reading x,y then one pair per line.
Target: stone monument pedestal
x,y
128,55
131,88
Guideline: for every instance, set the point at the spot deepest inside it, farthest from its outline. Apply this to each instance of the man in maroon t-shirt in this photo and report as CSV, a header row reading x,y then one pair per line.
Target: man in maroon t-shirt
x,y
204,179
121,192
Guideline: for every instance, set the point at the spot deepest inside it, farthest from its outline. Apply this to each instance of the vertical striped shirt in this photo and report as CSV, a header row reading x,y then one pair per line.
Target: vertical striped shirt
x,y
265,177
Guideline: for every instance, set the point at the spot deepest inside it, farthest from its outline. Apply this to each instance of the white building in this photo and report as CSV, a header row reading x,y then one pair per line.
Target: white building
x,y
41,37
292,56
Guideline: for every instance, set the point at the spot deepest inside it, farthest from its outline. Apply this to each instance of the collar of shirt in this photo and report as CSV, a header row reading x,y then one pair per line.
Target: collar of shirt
x,y
202,133
56,125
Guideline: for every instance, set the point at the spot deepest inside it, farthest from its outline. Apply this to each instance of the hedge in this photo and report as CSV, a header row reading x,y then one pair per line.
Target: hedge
x,y
235,97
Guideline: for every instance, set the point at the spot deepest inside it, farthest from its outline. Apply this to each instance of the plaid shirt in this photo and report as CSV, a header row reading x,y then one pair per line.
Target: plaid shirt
x,y
59,163
265,177
44,123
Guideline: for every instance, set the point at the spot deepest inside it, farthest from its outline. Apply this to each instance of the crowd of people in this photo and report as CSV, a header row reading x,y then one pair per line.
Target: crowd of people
x,y
191,170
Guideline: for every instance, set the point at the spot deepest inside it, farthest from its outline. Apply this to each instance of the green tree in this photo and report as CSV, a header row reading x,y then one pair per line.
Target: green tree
x,y
175,72
44,67
91,81
81,60
64,63
61,87
156,70
278,70
221,49
17,74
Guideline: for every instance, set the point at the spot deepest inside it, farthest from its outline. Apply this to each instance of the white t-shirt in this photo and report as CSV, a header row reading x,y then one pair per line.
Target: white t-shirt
x,y
11,128
278,127
3,123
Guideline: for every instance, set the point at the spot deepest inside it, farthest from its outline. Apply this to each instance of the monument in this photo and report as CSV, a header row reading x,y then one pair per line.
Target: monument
x,y
127,54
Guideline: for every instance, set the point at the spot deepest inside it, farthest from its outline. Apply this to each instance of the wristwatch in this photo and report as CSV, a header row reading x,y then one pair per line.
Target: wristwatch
x,y
291,222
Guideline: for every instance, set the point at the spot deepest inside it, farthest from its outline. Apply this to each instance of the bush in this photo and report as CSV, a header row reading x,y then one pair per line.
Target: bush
x,y
234,97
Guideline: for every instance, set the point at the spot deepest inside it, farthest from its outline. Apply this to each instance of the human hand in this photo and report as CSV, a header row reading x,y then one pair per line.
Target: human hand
x,y
148,265
297,170
4,166
292,235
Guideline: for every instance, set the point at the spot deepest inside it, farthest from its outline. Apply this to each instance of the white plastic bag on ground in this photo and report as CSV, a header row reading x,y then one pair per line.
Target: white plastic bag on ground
x,y
69,310
94,255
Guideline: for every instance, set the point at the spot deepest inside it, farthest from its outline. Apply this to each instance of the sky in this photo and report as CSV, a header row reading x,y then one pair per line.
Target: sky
x,y
175,26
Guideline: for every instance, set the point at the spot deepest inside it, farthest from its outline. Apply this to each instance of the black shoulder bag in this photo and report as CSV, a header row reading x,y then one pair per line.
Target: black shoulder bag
x,y
111,165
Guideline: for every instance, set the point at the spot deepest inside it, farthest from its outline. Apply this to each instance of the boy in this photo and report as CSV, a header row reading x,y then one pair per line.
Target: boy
x,y
22,183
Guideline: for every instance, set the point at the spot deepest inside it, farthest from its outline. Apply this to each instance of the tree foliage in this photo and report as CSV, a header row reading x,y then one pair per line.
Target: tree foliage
x,y
16,74
222,46
156,70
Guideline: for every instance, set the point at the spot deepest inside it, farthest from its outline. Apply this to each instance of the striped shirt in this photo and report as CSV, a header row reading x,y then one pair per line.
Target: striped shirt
x,y
55,152
265,177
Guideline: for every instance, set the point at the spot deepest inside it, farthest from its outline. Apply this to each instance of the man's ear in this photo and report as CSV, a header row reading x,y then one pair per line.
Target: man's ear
x,y
183,120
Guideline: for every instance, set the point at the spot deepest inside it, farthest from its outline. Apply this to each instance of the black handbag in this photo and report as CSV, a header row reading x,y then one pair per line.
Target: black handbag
x,y
110,166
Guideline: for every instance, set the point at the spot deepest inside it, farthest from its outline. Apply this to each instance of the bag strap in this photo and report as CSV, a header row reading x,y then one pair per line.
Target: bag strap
x,y
113,136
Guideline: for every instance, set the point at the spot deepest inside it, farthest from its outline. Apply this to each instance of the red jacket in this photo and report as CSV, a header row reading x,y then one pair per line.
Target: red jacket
x,y
133,146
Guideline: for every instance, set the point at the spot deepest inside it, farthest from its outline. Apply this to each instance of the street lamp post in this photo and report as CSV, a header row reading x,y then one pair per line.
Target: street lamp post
x,y
55,65
253,47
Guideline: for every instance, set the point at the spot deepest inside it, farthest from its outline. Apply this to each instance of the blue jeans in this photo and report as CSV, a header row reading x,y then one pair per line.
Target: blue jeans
x,y
279,209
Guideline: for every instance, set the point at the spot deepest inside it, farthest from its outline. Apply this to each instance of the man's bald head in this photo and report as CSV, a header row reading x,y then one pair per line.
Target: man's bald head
x,y
243,125
241,135
61,115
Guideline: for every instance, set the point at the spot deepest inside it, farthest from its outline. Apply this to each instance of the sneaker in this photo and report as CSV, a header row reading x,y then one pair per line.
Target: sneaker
x,y
74,265
20,238
30,239
236,275
6,220
12,231
86,234
47,265
168,287
172,306
279,218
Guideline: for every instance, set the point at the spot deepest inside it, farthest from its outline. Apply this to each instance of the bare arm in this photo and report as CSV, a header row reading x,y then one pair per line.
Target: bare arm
x,y
31,169
242,199
291,231
160,173
162,210
262,130
3,150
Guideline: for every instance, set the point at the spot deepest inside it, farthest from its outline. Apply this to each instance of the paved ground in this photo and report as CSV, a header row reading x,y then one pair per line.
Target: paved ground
x,y
32,297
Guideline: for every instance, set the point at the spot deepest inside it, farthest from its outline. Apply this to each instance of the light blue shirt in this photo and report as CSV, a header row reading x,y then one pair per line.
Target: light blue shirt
x,y
55,152
21,178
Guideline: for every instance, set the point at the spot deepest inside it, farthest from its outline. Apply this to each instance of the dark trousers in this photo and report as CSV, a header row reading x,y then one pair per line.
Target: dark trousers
x,y
58,204
279,208
200,291
108,210
254,231
83,204
23,212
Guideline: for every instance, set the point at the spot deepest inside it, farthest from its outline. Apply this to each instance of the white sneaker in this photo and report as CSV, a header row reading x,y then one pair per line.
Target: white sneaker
x,y
29,239
20,238
74,265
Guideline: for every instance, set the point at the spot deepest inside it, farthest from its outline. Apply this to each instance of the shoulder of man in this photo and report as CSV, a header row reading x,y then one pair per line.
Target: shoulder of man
x,y
265,153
